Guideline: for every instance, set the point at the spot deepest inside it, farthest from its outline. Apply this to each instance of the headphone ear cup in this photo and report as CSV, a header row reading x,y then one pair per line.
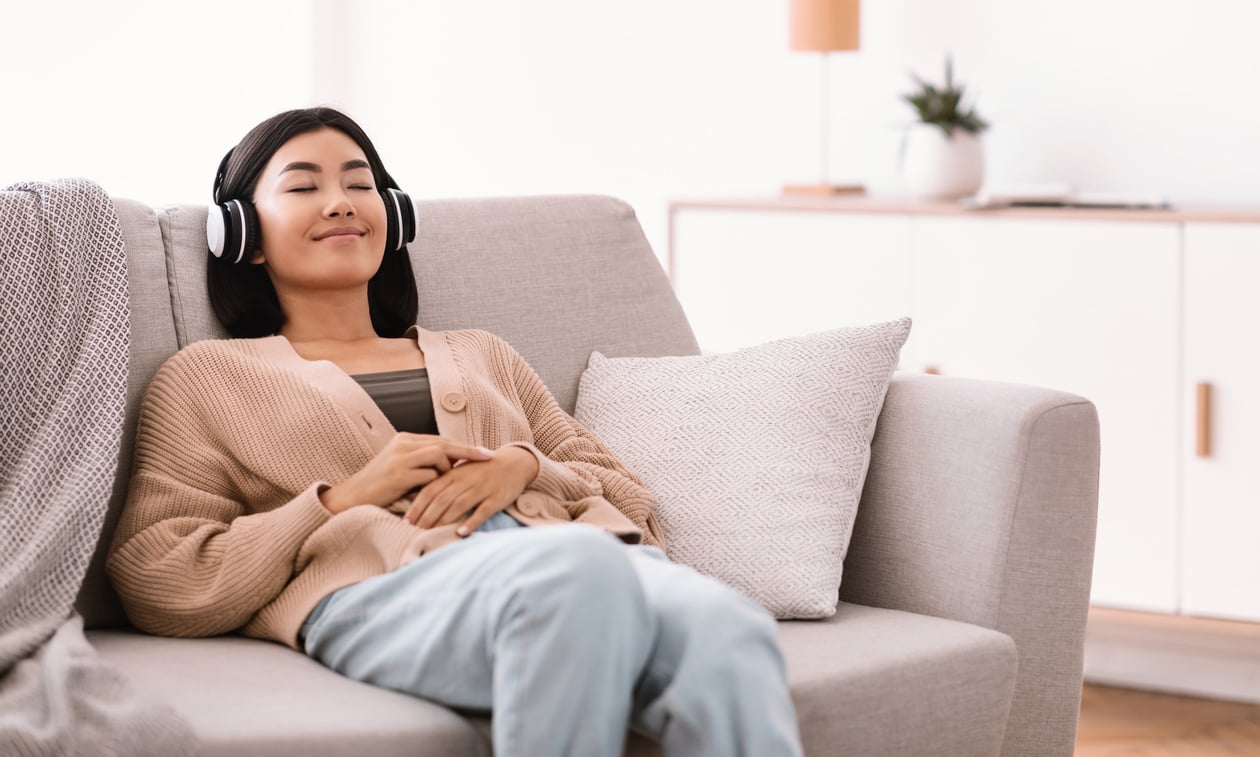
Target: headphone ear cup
x,y
253,231
217,224
233,231
402,220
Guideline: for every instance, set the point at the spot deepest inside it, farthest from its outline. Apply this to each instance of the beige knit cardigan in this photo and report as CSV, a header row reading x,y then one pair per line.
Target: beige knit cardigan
x,y
223,528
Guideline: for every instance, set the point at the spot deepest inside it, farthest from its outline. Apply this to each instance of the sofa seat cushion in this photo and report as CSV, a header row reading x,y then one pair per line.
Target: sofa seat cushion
x,y
869,681
875,681
250,698
865,681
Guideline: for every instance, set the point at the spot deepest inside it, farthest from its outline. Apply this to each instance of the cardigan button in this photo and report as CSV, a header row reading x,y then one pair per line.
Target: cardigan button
x,y
528,506
453,401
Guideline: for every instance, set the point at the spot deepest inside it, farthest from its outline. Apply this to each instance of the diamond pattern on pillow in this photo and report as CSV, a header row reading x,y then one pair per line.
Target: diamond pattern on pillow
x,y
756,458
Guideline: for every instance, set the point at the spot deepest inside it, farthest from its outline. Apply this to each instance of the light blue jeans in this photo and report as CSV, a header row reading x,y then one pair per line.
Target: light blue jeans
x,y
568,637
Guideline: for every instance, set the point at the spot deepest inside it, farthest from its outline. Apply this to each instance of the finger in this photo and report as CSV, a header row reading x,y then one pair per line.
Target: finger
x,y
414,481
419,477
486,510
457,451
452,505
462,505
441,456
423,500
427,457
439,504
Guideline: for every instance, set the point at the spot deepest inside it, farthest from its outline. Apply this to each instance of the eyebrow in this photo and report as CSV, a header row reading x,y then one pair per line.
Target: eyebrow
x,y
301,165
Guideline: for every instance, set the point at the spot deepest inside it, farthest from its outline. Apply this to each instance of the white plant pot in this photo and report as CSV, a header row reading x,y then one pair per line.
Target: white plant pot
x,y
936,167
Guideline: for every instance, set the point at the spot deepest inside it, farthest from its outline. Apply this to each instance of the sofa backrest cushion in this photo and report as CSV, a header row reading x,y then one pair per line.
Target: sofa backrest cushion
x,y
558,277
152,342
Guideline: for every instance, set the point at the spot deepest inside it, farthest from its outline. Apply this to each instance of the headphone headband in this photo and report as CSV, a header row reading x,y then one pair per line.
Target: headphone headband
x,y
219,174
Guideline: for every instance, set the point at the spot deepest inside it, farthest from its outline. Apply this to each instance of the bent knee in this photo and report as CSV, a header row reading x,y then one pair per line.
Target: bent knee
x,y
725,617
585,566
576,545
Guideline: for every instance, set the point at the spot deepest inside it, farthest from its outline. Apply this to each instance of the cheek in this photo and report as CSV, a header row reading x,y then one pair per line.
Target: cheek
x,y
374,214
279,238
277,223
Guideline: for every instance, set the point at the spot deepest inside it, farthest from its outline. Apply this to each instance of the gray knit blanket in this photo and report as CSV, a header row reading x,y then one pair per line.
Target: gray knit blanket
x,y
64,336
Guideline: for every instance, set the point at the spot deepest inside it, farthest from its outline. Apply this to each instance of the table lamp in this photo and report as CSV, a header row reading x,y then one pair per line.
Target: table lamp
x,y
823,26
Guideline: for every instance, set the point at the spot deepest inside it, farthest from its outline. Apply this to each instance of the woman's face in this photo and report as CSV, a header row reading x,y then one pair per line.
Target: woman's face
x,y
322,219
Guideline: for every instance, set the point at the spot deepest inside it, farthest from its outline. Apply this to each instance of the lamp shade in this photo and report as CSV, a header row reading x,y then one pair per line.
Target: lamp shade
x,y
824,25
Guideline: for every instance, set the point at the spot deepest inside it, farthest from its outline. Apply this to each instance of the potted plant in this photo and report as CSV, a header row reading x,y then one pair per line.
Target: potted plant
x,y
942,155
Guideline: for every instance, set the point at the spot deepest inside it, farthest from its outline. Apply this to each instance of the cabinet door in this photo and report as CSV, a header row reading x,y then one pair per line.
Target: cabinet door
x,y
1221,494
1086,307
746,277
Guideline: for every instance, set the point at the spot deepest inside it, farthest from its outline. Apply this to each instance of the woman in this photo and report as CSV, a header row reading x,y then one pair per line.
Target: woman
x,y
412,508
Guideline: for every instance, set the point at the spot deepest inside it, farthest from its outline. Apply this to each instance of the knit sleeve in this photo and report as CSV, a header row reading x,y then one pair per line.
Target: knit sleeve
x,y
572,462
188,558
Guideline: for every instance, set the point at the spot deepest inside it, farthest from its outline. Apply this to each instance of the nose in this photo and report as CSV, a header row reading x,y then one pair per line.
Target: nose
x,y
339,205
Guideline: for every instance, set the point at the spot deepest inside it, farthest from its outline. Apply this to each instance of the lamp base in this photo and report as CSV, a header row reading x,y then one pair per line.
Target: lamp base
x,y
823,189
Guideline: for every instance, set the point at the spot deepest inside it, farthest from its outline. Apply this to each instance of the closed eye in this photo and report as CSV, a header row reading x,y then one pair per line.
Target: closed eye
x,y
359,186
302,189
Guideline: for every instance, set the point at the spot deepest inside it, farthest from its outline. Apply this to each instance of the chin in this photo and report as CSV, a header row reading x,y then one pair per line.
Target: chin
x,y
335,277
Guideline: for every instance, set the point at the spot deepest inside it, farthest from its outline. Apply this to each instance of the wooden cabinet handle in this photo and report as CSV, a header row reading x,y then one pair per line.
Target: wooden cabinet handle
x,y
932,370
1203,420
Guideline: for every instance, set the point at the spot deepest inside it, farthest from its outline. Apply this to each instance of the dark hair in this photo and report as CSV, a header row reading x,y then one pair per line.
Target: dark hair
x,y
242,295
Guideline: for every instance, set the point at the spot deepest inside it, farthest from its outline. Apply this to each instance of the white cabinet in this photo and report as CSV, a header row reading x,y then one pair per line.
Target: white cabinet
x,y
1089,308
1132,310
1221,502
749,277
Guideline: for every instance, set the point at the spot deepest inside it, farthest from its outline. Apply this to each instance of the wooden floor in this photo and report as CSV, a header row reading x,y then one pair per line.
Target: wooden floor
x,y
1128,723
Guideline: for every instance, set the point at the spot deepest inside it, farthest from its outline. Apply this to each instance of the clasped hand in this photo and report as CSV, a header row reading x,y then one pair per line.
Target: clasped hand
x,y
454,481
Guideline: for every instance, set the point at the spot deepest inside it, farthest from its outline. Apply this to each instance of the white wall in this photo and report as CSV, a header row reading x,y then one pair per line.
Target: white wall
x,y
668,98
1115,95
647,100
144,97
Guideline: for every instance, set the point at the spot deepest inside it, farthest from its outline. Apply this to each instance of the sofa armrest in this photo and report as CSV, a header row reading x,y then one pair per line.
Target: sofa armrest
x,y
980,505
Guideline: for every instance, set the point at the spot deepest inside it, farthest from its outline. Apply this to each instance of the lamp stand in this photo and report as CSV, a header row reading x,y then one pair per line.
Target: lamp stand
x,y
824,185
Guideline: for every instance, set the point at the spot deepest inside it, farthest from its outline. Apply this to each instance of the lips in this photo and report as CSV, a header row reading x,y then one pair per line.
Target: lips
x,y
340,231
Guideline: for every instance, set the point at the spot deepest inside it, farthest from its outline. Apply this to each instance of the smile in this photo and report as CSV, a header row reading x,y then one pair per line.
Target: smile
x,y
340,234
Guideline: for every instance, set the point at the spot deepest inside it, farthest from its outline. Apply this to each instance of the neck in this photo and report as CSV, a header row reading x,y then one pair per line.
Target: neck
x,y
319,316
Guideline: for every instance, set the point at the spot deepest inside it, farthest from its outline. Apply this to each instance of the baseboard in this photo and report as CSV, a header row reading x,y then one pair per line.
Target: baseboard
x,y
1203,657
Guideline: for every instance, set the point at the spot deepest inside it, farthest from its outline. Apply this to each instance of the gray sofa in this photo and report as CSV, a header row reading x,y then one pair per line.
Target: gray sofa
x,y
966,585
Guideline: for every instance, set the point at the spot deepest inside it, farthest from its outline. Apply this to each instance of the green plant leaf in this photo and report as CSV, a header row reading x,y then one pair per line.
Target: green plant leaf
x,y
942,106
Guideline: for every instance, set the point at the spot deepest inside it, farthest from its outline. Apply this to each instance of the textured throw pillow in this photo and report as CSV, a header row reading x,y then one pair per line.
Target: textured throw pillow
x,y
756,458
